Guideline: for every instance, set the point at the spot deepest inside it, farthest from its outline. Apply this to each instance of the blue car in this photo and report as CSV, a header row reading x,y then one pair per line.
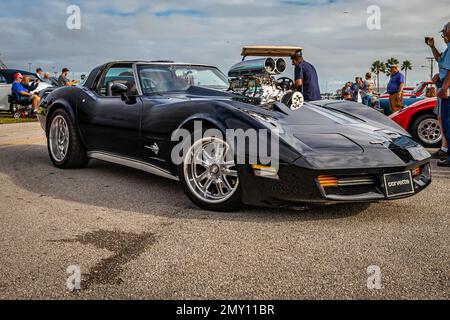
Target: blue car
x,y
382,105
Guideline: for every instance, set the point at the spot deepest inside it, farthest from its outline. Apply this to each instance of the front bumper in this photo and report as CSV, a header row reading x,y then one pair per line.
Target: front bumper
x,y
298,185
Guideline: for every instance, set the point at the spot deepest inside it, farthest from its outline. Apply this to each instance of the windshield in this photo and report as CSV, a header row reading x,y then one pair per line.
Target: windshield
x,y
418,88
170,78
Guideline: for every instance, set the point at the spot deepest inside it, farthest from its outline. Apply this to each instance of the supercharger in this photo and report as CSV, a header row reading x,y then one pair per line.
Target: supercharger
x,y
256,79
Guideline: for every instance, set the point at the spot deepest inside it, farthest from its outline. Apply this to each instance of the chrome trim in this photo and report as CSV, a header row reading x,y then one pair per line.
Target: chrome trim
x,y
357,181
136,79
132,163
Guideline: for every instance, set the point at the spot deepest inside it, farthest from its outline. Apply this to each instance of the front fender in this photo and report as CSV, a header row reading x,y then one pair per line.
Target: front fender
x,y
189,122
60,104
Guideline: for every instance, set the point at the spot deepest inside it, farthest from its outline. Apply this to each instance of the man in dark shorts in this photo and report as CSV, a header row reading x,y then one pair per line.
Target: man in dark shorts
x,y
306,79
21,94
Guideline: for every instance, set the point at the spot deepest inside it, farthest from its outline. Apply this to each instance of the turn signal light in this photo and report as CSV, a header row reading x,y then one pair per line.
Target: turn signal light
x,y
416,172
265,171
327,181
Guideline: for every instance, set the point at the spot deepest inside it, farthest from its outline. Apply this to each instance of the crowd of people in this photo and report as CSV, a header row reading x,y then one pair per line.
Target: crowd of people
x,y
23,87
362,91
359,91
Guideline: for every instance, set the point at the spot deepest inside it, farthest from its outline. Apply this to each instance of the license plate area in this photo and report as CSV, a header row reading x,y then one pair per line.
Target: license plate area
x,y
398,184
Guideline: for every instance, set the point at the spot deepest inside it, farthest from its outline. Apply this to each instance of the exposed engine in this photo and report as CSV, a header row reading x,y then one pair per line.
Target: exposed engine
x,y
256,79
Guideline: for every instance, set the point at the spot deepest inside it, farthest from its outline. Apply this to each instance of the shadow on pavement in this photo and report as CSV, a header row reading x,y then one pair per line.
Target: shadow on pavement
x,y
116,187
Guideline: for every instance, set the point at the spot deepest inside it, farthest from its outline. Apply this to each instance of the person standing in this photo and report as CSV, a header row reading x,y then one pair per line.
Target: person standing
x,y
355,89
367,90
39,73
395,89
346,92
306,79
442,153
444,78
63,81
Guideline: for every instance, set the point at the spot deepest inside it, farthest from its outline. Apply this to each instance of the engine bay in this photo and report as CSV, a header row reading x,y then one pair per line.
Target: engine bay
x,y
256,80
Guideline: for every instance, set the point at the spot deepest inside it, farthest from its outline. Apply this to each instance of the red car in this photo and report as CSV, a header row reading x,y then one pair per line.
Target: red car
x,y
421,122
415,92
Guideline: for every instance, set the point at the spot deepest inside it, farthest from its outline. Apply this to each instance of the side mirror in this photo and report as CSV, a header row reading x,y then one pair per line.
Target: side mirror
x,y
119,89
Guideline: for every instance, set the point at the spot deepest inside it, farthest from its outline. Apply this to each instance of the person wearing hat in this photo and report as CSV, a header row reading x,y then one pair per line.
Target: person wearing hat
x,y
395,89
444,89
63,81
23,95
306,79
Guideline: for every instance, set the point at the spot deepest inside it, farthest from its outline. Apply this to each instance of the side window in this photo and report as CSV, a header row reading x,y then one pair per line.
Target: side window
x,y
2,79
117,74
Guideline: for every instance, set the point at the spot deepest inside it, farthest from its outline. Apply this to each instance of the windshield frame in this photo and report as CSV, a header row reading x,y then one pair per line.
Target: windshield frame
x,y
138,68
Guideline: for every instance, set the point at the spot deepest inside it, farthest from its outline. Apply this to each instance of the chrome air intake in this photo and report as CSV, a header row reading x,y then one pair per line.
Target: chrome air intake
x,y
280,65
256,67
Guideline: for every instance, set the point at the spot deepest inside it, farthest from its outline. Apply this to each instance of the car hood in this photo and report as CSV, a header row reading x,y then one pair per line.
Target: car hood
x,y
328,134
330,139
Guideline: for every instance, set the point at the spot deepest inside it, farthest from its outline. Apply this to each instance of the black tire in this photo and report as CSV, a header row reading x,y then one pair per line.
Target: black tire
x,y
231,204
417,124
76,156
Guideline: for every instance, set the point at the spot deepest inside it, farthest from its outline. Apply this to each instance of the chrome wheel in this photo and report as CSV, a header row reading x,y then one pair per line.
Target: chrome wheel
x,y
59,138
429,131
210,171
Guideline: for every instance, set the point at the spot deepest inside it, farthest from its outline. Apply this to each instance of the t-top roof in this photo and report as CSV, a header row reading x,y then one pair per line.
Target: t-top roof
x,y
264,51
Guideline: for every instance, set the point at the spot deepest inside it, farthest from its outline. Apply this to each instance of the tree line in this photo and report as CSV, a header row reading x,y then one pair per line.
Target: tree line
x,y
379,67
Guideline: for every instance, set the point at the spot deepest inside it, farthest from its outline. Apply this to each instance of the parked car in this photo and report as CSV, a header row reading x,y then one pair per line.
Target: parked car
x,y
6,80
412,91
421,122
329,151
418,94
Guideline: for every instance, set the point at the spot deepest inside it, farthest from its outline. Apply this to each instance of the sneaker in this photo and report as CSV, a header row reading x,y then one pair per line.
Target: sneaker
x,y
440,155
444,163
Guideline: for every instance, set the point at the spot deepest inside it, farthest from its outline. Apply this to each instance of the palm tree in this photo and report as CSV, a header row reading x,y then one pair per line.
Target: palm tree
x,y
406,65
390,62
377,68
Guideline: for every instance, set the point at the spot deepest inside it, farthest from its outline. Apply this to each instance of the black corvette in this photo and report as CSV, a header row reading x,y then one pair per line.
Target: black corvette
x,y
329,151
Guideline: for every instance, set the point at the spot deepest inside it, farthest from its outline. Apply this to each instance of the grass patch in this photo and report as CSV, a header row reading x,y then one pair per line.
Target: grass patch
x,y
6,117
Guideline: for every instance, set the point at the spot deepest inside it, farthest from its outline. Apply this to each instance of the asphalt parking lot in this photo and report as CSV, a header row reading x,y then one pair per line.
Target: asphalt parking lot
x,y
134,235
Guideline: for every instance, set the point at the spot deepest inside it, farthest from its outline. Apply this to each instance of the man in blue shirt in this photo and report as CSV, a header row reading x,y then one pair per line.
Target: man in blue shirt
x,y
444,76
395,89
306,79
21,94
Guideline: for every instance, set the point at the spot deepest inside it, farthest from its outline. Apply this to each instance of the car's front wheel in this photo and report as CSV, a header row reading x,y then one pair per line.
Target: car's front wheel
x,y
427,131
64,144
210,177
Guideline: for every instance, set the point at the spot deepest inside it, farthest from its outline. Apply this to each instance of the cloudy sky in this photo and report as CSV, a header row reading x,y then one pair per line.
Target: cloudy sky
x,y
334,33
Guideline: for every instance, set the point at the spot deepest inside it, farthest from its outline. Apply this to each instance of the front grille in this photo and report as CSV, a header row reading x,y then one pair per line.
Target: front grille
x,y
355,181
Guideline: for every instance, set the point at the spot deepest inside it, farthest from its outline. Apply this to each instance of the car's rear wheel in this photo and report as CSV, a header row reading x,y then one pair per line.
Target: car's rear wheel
x,y
64,144
427,131
209,177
